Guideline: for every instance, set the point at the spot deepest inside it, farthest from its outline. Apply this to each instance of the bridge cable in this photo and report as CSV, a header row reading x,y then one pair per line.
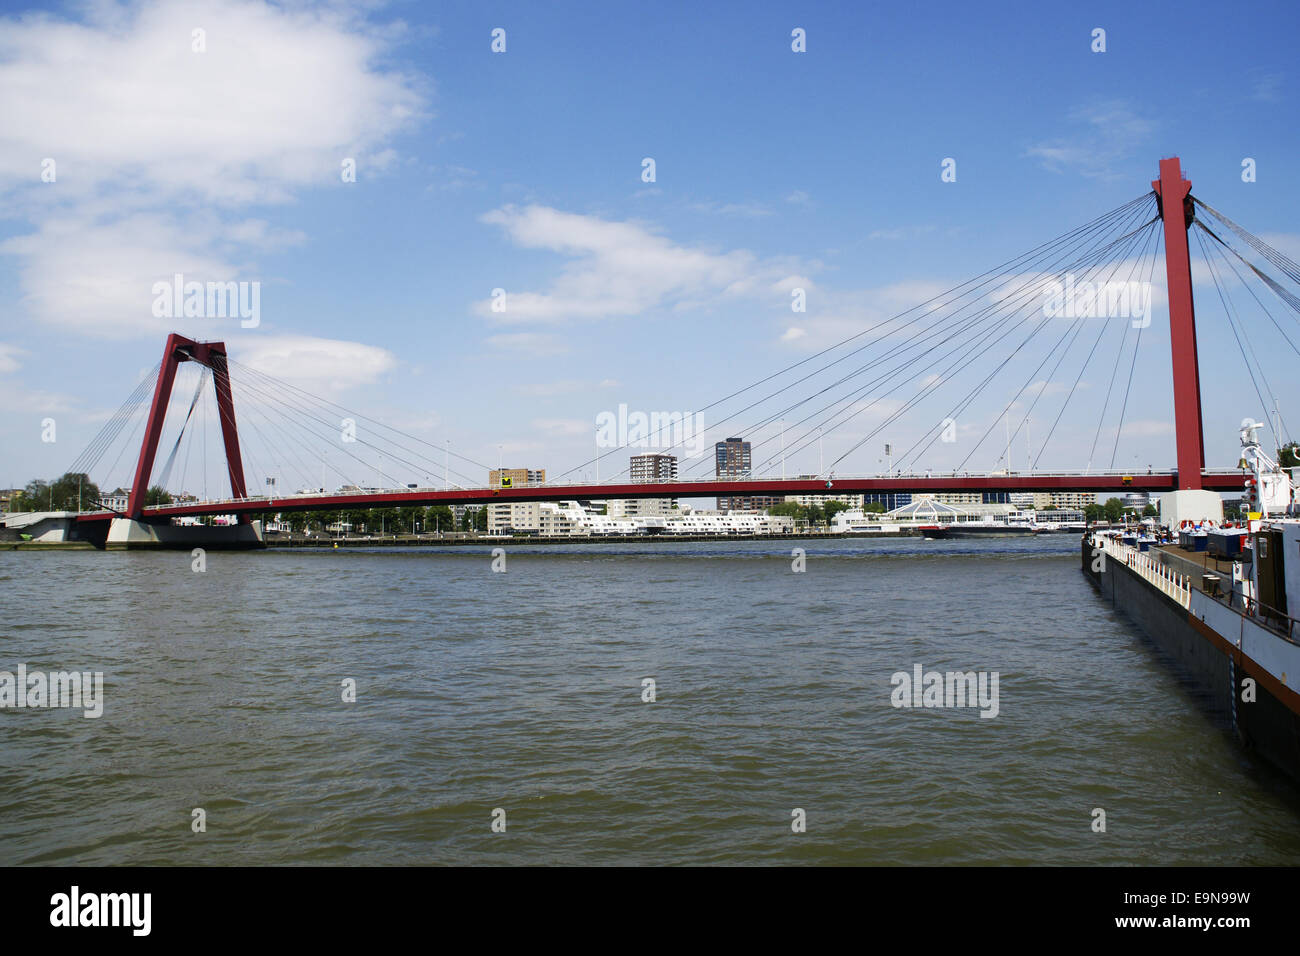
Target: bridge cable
x,y
1123,254
165,474
988,378
1027,290
292,401
1278,289
94,451
1155,251
916,338
1290,268
986,277
935,430
324,401
1242,279
1247,351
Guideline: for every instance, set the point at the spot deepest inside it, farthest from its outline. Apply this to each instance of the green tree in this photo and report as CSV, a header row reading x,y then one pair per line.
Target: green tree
x,y
1093,512
1288,456
157,495
439,518
477,520
406,519
873,507
1113,509
68,493
1150,511
832,508
34,497
788,509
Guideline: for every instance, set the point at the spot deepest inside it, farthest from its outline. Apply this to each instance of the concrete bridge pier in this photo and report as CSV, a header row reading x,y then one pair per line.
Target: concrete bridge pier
x,y
125,534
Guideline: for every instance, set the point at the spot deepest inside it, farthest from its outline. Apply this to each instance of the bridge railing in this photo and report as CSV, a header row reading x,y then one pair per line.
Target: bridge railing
x,y
1156,573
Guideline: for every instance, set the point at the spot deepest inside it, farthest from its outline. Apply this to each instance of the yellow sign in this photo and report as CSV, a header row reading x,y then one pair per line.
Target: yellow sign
x,y
1128,479
506,481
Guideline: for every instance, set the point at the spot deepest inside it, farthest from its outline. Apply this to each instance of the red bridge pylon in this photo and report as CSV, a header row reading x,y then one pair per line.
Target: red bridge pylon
x,y
213,356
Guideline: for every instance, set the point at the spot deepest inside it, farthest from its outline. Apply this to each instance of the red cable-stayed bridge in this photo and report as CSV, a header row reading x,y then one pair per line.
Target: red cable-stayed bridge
x,y
1223,481
965,325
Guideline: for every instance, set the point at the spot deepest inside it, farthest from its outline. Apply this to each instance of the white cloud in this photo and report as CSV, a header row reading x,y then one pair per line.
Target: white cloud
x,y
276,101
15,398
315,364
98,277
155,144
9,357
563,387
565,427
1105,133
835,316
534,343
619,269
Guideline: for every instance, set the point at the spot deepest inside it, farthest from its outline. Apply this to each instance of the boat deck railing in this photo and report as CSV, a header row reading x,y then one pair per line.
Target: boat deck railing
x,y
1178,586
1165,579
1283,625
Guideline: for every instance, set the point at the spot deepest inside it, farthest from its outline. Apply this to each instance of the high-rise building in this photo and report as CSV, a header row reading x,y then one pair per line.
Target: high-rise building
x,y
517,477
1063,500
1136,500
889,499
502,516
732,459
646,469
656,467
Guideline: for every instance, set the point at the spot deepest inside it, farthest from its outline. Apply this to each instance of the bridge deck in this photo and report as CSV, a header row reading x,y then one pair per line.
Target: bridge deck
x,y
1228,481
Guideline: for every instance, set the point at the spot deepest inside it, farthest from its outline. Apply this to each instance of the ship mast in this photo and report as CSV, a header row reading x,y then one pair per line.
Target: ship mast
x,y
1268,487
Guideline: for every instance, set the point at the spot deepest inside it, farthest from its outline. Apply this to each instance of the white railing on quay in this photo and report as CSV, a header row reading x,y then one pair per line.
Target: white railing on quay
x,y
1156,573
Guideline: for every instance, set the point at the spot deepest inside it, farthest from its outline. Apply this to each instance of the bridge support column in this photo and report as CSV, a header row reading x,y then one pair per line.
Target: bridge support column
x,y
125,534
1173,193
213,356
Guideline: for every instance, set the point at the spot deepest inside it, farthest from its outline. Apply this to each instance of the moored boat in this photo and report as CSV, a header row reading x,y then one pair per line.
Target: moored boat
x,y
1222,615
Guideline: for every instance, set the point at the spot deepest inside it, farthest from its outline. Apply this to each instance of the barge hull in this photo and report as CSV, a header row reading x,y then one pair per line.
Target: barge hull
x,y
1211,646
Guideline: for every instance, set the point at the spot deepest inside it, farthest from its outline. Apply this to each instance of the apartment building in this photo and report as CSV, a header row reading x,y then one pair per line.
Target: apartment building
x,y
519,516
733,459
646,469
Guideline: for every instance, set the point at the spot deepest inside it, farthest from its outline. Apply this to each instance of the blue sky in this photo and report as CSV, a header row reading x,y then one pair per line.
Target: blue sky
x,y
522,171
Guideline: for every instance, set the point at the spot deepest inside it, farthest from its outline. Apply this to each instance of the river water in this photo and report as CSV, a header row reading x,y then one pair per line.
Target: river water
x,y
522,692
